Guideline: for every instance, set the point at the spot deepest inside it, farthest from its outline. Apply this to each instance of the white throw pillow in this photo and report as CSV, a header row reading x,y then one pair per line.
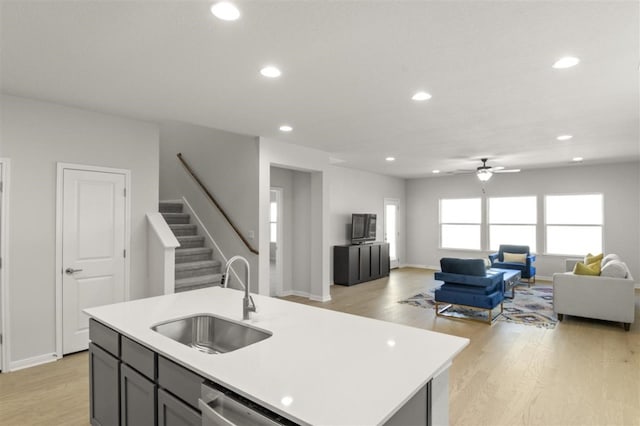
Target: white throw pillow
x,y
614,269
608,258
514,257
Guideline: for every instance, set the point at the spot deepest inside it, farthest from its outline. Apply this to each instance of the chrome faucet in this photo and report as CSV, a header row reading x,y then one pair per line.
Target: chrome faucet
x,y
248,304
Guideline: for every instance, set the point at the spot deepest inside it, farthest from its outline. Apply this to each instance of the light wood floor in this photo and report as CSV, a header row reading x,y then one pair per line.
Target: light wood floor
x,y
583,372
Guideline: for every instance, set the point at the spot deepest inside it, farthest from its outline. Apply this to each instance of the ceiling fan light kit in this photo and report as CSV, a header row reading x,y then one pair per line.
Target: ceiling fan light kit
x,y
484,172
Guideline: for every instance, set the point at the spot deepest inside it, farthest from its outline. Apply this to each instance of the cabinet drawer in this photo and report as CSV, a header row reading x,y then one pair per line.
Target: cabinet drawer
x,y
104,337
139,357
179,381
172,411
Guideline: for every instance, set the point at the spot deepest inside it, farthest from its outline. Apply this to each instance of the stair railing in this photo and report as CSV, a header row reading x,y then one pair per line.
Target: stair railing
x,y
213,200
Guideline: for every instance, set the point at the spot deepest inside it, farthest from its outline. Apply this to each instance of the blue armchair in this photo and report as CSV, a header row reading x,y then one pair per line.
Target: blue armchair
x,y
467,282
526,268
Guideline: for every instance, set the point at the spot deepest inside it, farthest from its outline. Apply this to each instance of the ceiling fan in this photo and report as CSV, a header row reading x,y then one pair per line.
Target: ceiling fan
x,y
485,172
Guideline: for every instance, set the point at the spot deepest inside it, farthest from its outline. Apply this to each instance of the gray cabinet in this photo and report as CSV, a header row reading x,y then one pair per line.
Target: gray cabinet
x,y
174,412
130,385
137,398
104,385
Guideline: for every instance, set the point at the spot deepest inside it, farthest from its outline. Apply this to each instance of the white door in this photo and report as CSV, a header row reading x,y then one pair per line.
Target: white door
x,y
93,244
391,233
276,248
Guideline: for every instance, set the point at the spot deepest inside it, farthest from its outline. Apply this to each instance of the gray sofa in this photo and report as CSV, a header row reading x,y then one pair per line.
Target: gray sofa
x,y
610,298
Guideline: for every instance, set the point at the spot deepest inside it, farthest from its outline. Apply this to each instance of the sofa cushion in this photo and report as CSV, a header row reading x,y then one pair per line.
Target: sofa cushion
x,y
590,269
515,257
474,267
615,269
491,278
486,301
608,258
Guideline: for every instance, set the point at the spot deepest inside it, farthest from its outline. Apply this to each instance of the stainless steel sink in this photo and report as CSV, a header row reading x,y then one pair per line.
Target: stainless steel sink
x,y
211,334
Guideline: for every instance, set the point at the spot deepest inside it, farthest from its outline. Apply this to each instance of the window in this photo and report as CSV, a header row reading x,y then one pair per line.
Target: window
x,y
460,221
574,224
512,220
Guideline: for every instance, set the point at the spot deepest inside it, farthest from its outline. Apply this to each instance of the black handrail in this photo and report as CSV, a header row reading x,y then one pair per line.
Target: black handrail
x,y
213,200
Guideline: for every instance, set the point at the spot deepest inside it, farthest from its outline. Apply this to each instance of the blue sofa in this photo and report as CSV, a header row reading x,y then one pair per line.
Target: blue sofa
x,y
467,282
527,270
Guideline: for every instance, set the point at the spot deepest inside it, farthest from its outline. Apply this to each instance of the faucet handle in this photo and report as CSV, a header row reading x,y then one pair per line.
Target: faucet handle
x,y
252,308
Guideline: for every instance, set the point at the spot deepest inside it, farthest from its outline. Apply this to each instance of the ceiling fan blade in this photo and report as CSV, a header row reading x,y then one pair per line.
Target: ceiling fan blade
x,y
503,170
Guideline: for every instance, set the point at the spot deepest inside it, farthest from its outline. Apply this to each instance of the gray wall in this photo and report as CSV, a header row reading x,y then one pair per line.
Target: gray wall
x,y
227,163
35,136
620,184
355,191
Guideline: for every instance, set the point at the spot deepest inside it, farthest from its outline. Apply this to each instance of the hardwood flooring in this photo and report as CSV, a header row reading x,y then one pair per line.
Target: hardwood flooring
x,y
583,372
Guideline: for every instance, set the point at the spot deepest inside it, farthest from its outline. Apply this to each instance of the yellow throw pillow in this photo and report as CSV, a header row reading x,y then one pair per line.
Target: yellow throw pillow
x,y
515,257
590,269
590,258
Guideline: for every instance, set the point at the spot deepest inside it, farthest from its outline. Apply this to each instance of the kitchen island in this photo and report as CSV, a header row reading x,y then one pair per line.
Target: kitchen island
x,y
318,367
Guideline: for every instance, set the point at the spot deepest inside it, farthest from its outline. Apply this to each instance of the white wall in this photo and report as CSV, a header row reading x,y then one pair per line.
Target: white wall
x,y
227,163
355,191
620,184
35,136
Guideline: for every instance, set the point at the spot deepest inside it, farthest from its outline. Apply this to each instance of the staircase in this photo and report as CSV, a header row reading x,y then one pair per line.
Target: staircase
x,y
195,267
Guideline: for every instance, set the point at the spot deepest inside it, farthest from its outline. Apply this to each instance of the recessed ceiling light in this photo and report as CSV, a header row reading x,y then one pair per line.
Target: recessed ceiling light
x,y
390,158
577,159
566,62
271,72
225,11
286,128
421,96
435,172
564,137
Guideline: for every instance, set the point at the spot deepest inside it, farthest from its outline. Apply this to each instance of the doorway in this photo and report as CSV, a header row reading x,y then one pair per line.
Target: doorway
x,y
93,238
4,275
391,230
276,241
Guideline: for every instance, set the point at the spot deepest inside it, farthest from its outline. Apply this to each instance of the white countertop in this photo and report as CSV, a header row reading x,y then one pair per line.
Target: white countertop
x,y
320,367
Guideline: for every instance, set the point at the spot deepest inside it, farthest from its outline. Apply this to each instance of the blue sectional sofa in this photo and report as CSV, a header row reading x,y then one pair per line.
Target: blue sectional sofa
x,y
467,282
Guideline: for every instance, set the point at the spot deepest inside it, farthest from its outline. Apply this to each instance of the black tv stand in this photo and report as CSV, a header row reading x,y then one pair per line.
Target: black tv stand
x,y
357,263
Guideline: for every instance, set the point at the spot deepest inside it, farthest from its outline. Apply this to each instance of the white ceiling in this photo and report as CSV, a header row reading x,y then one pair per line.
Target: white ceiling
x,y
349,71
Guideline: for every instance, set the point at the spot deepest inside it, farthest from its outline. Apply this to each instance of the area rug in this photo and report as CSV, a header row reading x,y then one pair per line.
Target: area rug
x,y
531,306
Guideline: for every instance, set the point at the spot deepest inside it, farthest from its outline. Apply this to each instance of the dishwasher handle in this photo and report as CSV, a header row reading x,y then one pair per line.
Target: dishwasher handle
x,y
211,417
218,409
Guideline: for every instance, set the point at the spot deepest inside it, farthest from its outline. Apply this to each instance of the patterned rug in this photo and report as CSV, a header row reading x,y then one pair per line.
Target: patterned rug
x,y
531,306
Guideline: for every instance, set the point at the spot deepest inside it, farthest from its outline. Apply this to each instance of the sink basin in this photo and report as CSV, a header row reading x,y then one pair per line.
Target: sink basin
x,y
211,334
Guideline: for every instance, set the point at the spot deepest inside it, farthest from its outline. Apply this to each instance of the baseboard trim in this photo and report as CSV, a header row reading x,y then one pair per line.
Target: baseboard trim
x,y
32,362
304,294
410,265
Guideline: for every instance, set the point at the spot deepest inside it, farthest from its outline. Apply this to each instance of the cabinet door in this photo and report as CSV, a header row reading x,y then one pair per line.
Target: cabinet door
x,y
365,262
137,398
104,384
384,259
375,261
173,412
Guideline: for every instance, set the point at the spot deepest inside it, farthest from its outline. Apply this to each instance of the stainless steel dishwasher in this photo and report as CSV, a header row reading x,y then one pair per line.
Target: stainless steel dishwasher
x,y
221,407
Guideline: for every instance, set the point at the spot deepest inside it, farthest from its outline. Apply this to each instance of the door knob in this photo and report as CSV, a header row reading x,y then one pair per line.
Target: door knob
x,y
72,271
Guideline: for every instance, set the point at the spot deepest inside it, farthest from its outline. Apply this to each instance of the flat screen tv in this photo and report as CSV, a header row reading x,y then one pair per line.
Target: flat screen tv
x,y
363,228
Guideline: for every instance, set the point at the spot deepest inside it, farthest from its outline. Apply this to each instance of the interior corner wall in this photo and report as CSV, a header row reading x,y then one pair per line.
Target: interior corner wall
x,y
308,160
227,163
35,136
619,183
355,191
